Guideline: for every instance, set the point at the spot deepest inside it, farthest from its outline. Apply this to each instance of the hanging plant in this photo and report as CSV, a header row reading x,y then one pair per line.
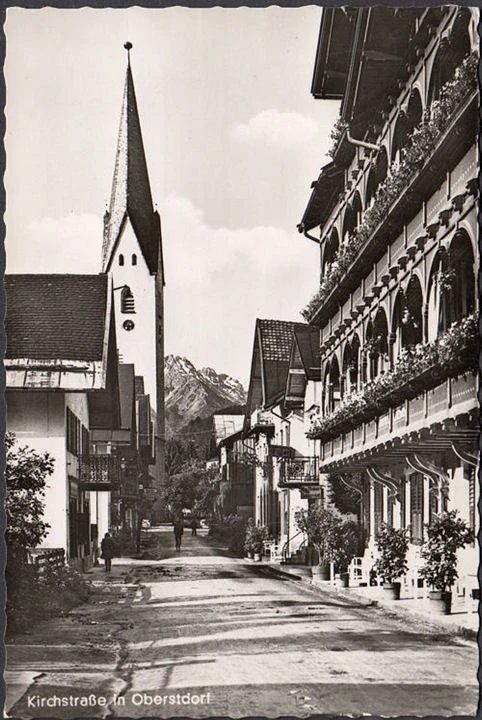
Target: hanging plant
x,y
419,146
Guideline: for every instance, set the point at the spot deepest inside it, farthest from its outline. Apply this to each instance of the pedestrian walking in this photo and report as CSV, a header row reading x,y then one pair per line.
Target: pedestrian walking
x,y
178,531
194,526
107,551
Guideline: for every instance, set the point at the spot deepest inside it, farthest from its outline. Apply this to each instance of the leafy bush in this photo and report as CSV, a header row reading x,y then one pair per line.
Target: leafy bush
x,y
392,546
35,594
255,537
445,535
334,535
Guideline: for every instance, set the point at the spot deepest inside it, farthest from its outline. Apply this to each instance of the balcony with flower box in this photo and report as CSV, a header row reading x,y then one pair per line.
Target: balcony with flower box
x,y
428,371
436,145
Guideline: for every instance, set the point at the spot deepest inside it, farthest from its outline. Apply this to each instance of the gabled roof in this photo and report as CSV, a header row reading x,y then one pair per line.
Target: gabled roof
x,y
56,316
60,332
131,192
270,362
305,364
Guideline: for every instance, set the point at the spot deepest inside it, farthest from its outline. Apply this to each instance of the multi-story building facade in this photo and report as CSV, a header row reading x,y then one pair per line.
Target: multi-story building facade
x,y
62,385
285,460
396,217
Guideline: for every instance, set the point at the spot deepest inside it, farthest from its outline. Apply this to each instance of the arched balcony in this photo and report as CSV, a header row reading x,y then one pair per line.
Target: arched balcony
x,y
376,346
332,246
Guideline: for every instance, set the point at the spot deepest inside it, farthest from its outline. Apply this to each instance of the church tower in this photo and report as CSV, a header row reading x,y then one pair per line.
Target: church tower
x,y
132,253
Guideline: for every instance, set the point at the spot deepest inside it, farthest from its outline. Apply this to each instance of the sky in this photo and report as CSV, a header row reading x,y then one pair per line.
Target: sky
x,y
233,140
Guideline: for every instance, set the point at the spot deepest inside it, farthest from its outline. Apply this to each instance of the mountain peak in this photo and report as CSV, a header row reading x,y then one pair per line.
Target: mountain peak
x,y
191,393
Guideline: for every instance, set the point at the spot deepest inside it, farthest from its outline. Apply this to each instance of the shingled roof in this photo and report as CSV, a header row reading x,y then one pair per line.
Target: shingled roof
x,y
53,317
60,325
270,361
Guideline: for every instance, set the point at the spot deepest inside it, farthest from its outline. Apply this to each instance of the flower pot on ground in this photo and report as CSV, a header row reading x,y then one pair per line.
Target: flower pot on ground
x,y
256,536
391,564
445,536
342,580
320,572
392,590
333,535
440,602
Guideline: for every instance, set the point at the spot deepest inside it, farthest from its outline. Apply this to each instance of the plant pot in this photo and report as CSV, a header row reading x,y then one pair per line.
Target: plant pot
x,y
320,572
392,590
257,557
440,602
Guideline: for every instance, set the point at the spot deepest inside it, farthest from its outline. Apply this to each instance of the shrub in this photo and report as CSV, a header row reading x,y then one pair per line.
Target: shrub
x,y
392,545
445,535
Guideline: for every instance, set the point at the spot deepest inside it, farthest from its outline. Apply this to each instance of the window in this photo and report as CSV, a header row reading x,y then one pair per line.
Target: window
x,y
416,508
134,259
121,259
127,300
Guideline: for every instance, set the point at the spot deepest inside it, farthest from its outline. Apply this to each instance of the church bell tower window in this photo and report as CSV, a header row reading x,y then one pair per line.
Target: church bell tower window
x,y
127,300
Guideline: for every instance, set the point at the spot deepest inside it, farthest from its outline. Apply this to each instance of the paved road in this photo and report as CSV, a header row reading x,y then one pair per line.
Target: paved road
x,y
200,634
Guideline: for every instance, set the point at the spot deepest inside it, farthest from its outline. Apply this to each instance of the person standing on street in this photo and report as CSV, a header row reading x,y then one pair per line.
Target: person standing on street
x,y
178,531
107,551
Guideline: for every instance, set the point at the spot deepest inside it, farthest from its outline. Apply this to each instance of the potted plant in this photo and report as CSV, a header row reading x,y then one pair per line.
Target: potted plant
x,y
391,564
445,535
256,536
345,547
248,539
319,523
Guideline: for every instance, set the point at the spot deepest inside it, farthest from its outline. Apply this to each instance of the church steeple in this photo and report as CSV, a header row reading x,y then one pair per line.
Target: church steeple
x,y
131,192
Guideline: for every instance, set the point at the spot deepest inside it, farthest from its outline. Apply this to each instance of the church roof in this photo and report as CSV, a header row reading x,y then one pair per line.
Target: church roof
x,y
131,192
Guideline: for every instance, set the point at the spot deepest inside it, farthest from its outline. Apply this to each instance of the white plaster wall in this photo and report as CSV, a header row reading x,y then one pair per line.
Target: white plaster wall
x,y
38,421
136,346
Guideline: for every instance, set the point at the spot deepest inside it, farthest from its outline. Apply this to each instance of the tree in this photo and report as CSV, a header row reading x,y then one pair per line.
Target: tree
x,y
26,472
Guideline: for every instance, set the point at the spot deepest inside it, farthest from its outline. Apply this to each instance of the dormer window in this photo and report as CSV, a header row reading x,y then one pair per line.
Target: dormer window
x,y
121,259
134,259
127,300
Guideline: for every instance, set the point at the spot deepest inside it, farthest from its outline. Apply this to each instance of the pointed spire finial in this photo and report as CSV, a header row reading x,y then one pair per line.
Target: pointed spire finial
x,y
128,47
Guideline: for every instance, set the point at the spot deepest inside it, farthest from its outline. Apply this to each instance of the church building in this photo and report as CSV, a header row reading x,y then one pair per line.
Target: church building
x,y
132,254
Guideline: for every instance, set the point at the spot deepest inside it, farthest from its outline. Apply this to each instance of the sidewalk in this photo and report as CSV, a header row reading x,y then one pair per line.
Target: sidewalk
x,y
461,623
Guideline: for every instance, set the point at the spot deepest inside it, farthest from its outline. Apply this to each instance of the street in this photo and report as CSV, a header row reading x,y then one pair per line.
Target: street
x,y
200,634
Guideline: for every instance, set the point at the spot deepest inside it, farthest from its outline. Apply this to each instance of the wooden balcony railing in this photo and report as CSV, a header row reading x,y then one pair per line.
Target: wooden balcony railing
x,y
298,472
99,472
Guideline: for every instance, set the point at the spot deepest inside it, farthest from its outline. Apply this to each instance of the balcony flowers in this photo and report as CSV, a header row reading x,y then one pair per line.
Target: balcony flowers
x,y
420,367
419,147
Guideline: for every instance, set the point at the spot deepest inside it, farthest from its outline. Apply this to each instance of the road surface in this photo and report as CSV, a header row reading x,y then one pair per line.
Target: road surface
x,y
200,634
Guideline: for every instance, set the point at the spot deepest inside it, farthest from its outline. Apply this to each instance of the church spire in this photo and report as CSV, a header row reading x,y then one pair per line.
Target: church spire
x,y
131,193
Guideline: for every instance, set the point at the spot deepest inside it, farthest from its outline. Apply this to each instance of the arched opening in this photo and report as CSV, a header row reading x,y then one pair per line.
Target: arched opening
x,y
371,188
400,137
459,291
332,387
381,167
414,111
378,344
412,314
127,300
357,207
350,365
349,222
439,286
134,259
450,54
121,260
332,246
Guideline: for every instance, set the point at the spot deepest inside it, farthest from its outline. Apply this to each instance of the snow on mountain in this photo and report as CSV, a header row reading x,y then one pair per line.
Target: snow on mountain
x,y
192,393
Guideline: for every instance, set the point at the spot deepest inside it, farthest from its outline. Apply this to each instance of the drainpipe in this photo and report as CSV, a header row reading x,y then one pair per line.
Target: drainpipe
x,y
311,237
361,143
